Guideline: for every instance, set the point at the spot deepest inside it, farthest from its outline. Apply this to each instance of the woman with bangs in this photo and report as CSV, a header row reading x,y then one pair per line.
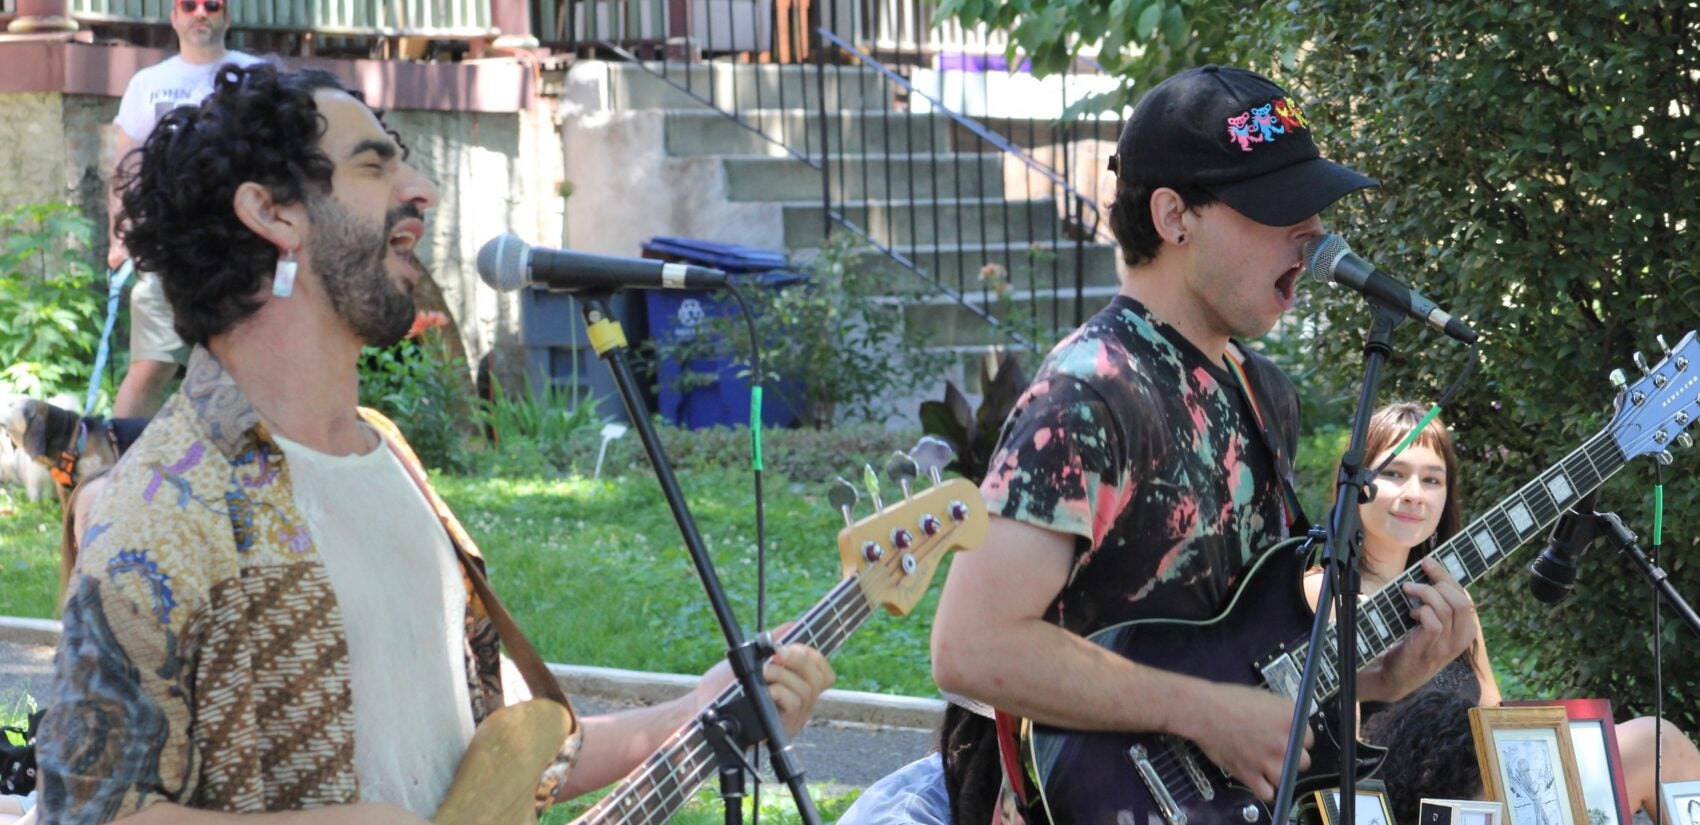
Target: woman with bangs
x,y
1415,509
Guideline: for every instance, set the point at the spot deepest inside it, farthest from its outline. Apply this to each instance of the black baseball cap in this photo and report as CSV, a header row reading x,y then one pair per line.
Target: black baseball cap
x,y
1238,136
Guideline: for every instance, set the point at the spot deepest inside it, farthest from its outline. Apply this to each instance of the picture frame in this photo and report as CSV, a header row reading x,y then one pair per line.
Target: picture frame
x,y
1682,801
1373,807
1528,761
1599,764
1460,812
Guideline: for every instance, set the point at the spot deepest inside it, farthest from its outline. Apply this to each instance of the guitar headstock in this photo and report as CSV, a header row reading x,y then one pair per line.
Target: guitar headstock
x,y
895,552
1653,412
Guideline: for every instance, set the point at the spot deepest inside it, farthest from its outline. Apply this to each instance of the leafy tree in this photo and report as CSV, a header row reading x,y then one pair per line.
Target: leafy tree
x,y
1538,172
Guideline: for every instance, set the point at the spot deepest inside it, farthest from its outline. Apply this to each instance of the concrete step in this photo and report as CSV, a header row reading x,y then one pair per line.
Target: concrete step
x,y
702,132
903,223
736,87
1038,315
1047,264
860,177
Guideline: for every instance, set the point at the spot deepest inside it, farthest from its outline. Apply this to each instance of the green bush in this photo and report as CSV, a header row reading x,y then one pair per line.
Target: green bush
x,y
426,392
51,301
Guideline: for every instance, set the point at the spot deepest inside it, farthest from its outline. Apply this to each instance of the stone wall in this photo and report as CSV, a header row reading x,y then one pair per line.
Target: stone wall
x,y
496,171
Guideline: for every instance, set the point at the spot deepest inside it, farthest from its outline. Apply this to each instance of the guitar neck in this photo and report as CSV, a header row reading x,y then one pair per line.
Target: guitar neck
x,y
666,780
1385,616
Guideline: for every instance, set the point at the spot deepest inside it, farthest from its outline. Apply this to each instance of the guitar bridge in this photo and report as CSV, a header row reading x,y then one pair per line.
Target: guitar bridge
x,y
1183,751
1172,812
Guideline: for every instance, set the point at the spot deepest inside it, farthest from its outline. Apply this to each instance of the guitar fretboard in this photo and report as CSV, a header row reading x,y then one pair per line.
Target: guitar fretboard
x,y
1385,617
662,785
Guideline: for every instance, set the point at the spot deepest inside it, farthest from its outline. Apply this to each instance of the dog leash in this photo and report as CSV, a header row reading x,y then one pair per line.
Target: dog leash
x,y
115,281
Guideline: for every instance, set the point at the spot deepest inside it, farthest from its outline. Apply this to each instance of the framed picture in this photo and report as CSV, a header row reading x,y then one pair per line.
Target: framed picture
x,y
1372,805
1682,802
1593,735
1528,763
1460,812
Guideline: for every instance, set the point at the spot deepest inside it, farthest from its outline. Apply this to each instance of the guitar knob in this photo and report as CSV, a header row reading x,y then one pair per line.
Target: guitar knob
x,y
1618,379
872,551
1662,345
1641,363
1664,457
1249,813
1685,440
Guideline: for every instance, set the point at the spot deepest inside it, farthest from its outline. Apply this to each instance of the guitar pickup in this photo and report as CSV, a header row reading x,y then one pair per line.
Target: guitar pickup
x,y
1172,812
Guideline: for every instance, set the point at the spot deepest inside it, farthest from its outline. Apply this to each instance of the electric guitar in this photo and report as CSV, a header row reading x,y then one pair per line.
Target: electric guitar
x,y
1261,638
888,559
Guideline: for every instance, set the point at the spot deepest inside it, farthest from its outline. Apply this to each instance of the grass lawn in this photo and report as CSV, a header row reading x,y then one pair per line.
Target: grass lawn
x,y
596,574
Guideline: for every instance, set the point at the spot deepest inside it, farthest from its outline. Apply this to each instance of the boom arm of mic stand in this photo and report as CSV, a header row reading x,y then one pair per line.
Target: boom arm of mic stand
x,y
1340,581
610,343
1626,541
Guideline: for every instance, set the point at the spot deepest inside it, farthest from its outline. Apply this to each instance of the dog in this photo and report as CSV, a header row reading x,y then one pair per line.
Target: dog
x,y
45,437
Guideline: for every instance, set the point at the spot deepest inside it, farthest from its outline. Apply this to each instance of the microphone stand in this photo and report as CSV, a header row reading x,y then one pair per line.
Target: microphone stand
x,y
1626,543
745,655
1340,585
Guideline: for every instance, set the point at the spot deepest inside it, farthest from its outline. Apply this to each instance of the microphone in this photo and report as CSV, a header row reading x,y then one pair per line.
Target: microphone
x,y
1331,261
1553,576
507,263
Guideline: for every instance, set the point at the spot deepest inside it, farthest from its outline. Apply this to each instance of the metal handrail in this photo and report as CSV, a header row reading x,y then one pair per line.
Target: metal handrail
x,y
995,139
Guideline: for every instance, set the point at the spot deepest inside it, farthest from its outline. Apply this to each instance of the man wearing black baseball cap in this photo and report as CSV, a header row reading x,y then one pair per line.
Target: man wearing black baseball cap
x,y
1150,462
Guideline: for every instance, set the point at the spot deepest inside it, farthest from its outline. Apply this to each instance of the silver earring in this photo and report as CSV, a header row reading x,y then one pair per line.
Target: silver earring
x,y
283,283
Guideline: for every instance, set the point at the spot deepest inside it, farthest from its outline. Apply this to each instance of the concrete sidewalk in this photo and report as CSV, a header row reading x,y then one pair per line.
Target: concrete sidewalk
x,y
853,739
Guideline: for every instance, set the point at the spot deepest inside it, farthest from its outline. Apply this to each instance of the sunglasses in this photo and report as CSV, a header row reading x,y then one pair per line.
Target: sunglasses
x,y
189,6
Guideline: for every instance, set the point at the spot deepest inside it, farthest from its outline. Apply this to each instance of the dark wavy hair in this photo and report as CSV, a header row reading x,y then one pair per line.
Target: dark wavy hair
x,y
1431,751
1130,218
260,124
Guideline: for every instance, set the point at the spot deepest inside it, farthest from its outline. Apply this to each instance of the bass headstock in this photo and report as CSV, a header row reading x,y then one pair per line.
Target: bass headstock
x,y
895,552
1653,412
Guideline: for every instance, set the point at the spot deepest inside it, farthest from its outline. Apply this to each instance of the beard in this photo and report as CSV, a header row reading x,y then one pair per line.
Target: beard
x,y
350,257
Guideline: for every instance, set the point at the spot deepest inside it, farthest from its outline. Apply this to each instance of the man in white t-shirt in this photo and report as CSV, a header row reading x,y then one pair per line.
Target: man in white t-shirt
x,y
185,80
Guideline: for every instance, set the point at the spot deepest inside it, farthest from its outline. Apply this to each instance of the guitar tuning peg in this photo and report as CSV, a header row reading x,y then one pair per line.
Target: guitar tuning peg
x,y
932,454
902,469
1618,379
1685,440
1664,457
871,482
842,494
1662,345
1641,363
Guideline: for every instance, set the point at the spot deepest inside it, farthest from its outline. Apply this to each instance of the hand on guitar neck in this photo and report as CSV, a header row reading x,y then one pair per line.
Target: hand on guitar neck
x,y
1446,625
615,743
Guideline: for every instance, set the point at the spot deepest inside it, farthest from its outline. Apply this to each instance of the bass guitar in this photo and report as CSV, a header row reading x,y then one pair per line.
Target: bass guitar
x,y
1260,639
888,560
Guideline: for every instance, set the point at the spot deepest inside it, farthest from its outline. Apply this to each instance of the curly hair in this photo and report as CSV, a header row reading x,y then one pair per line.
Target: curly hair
x,y
1130,217
973,774
1431,751
260,124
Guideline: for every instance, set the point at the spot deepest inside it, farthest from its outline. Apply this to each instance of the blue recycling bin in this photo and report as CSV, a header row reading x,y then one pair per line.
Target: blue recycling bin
x,y
677,314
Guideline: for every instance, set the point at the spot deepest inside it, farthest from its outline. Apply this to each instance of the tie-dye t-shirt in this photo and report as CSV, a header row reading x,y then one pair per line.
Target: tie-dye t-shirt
x,y
1132,440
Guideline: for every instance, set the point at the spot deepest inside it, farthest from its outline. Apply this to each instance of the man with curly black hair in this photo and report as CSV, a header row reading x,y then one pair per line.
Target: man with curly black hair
x,y
272,611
